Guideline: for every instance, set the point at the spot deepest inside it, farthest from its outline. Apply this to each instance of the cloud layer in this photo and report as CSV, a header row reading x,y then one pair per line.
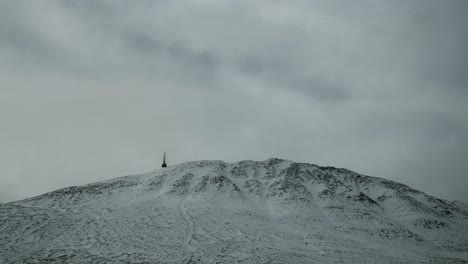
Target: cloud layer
x,y
91,90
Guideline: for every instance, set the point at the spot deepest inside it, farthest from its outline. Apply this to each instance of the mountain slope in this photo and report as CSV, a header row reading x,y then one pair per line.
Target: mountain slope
x,y
273,211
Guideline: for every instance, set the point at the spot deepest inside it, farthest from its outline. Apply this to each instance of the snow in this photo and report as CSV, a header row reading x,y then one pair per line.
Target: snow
x,y
272,211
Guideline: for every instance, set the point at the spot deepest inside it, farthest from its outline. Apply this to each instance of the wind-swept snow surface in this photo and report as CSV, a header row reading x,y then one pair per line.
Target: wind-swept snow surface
x,y
274,211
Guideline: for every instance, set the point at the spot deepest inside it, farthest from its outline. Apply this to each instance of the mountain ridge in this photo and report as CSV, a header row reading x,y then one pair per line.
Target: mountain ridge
x,y
243,211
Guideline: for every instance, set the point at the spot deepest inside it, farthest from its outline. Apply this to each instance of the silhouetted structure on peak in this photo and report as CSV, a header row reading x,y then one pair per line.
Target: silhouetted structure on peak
x,y
164,165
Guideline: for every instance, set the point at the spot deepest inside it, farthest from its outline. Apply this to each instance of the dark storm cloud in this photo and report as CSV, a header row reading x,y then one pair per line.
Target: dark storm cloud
x,y
96,89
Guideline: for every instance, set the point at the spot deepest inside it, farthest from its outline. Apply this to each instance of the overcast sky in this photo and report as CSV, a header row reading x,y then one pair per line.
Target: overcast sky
x,y
91,90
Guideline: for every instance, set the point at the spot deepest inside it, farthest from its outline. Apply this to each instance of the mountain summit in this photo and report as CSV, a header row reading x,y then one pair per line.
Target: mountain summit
x,y
272,211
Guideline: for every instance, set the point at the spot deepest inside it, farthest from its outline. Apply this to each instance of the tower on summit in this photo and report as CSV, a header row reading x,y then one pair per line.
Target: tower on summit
x,y
164,165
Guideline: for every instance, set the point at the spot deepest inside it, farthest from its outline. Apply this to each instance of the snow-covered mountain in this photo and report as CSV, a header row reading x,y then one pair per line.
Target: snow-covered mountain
x,y
272,211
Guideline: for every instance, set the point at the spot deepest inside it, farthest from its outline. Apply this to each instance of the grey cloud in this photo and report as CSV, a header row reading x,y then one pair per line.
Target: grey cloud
x,y
294,78
318,88
442,38
97,89
142,43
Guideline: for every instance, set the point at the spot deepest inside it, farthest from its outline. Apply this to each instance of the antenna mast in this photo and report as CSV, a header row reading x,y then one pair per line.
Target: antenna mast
x,y
164,165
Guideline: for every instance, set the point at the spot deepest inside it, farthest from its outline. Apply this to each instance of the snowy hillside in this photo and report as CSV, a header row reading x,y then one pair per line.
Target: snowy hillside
x,y
273,211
